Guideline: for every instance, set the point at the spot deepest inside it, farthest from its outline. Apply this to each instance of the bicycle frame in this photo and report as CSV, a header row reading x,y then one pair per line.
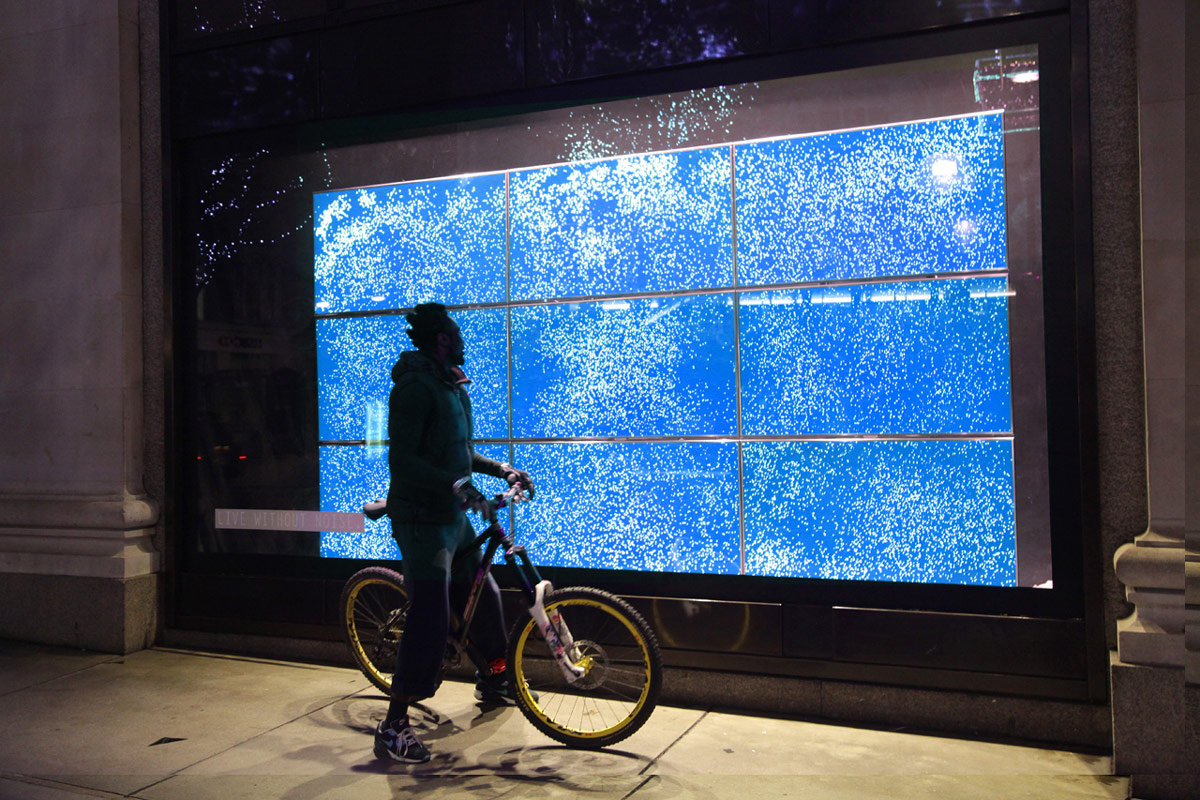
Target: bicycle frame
x,y
534,587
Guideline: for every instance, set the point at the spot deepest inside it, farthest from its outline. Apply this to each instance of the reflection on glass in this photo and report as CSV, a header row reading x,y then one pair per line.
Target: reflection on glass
x,y
912,357
913,199
396,246
650,124
1010,80
634,224
355,356
913,511
624,368
570,41
352,476
664,507
202,17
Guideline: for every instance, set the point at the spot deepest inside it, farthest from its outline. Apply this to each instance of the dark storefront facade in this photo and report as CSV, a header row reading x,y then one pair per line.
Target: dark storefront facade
x,y
787,307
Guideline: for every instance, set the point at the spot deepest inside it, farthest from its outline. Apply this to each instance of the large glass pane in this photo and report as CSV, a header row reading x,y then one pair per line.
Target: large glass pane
x,y
396,246
354,475
662,507
908,357
913,199
633,224
351,476
648,367
355,356
914,511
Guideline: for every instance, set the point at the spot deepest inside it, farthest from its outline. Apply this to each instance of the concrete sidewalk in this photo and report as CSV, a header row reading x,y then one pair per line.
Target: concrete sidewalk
x,y
174,725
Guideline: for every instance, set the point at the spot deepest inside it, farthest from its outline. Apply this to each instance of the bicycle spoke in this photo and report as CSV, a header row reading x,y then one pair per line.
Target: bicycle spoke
x,y
619,685
370,609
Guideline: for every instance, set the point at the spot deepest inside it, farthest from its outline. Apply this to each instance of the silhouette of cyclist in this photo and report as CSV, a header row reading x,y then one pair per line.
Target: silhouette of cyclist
x,y
431,429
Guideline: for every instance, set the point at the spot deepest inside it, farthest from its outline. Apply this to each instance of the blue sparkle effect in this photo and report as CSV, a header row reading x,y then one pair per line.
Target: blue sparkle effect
x,y
661,507
355,356
655,333
916,511
903,358
624,368
354,476
396,246
350,478
915,199
622,225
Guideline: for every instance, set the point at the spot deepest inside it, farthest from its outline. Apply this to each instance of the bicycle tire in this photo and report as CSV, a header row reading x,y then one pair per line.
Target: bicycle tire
x,y
620,654
374,609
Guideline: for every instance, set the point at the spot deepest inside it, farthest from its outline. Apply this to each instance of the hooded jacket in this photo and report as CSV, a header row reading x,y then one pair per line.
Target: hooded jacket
x,y
431,430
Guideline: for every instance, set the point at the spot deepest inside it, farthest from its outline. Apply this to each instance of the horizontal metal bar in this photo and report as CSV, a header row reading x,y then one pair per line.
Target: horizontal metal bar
x,y
675,293
821,437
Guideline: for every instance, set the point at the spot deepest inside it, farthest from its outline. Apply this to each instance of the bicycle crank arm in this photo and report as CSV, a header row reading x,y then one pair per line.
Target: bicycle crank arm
x,y
559,644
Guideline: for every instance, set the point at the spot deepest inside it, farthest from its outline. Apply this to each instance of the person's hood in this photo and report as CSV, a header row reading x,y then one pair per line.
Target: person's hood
x,y
416,361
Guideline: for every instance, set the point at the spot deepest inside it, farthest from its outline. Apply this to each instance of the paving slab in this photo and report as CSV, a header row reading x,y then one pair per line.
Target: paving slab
x,y
482,752
389,787
23,665
14,788
172,725
120,725
884,787
732,744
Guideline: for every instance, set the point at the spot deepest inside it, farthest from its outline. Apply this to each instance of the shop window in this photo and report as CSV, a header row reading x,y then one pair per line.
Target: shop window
x,y
782,341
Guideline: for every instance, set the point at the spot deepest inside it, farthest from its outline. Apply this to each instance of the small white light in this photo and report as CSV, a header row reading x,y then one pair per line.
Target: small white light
x,y
1027,76
944,170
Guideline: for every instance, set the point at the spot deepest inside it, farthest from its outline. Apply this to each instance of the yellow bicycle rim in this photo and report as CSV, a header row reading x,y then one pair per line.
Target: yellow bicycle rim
x,y
352,628
536,707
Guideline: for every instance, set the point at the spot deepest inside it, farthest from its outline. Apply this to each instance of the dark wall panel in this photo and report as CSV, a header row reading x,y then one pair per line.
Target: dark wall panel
x,y
265,82
1012,645
435,55
571,40
807,632
196,19
799,24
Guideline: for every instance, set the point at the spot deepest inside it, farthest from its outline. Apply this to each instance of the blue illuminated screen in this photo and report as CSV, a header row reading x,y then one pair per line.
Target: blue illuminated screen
x,y
787,357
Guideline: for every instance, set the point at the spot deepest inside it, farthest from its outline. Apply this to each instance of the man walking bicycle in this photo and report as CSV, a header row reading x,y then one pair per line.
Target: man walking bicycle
x,y
431,428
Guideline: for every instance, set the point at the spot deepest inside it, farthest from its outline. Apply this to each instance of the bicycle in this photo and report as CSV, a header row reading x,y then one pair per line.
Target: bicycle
x,y
586,685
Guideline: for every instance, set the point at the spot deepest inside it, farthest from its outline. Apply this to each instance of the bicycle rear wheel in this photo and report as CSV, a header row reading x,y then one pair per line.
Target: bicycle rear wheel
x,y
374,609
621,662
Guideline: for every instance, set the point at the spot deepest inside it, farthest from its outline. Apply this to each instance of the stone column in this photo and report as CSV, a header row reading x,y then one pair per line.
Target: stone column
x,y
78,559
1156,672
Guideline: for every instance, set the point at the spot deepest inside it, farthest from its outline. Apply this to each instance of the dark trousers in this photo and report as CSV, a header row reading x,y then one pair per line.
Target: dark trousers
x,y
434,580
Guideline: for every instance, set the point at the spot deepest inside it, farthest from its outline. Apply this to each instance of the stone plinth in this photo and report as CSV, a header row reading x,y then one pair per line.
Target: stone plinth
x,y
78,557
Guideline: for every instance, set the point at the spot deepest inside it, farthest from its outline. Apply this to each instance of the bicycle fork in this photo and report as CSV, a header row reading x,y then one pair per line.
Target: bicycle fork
x,y
553,627
557,635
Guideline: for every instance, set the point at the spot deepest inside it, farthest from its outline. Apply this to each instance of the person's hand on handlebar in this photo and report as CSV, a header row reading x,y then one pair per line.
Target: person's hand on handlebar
x,y
515,476
472,499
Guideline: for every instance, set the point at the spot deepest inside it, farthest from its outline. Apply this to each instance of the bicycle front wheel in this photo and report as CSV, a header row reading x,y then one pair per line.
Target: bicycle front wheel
x,y
621,663
374,608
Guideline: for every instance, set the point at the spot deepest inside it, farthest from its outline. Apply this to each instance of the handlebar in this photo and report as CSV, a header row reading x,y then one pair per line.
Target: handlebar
x,y
515,494
471,498
463,488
